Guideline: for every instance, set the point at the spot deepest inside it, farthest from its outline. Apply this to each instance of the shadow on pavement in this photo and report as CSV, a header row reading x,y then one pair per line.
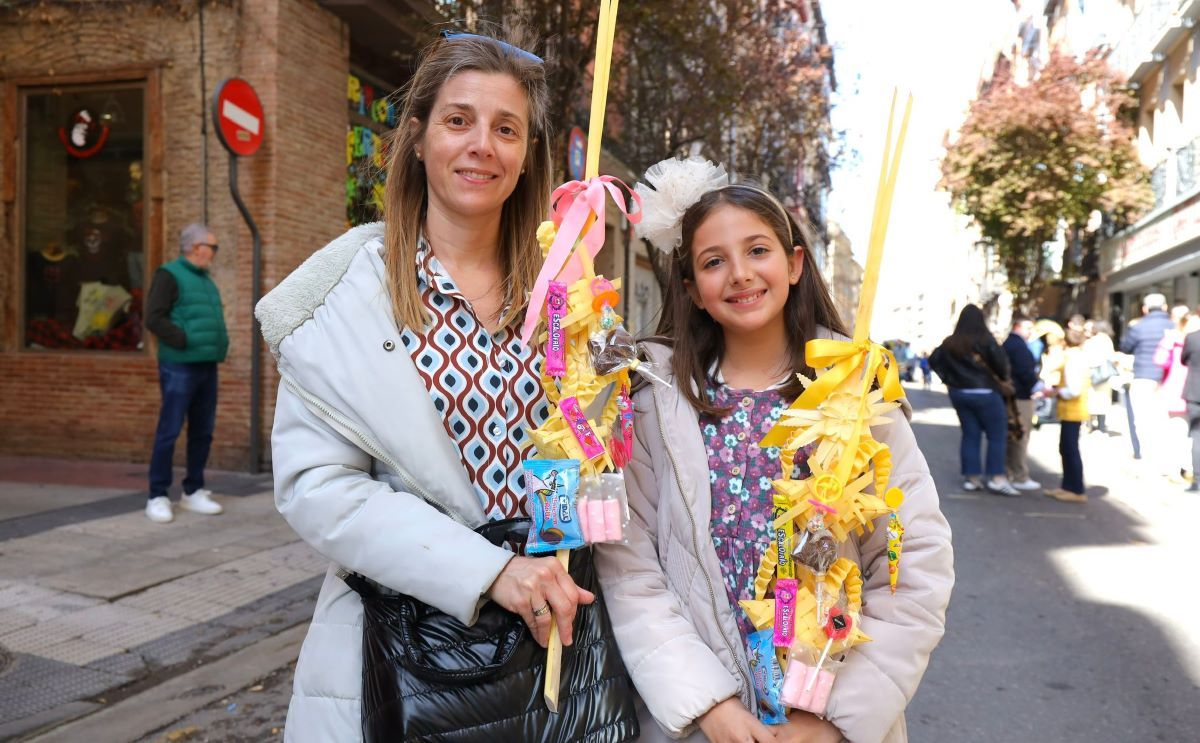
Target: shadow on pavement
x,y
1027,655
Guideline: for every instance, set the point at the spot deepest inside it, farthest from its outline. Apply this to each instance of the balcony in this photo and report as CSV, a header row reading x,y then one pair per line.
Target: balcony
x,y
1160,25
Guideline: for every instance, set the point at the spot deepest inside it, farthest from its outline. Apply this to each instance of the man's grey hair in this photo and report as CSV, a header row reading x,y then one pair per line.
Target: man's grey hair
x,y
192,234
1154,301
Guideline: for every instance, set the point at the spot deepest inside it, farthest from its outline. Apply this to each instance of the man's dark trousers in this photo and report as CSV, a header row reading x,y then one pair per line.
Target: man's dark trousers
x,y
189,391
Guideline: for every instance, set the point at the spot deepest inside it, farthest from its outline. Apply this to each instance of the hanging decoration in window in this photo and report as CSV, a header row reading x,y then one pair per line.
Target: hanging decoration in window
x,y
86,135
370,119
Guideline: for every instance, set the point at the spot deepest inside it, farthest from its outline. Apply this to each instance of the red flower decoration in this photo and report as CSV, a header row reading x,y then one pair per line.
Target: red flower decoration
x,y
839,624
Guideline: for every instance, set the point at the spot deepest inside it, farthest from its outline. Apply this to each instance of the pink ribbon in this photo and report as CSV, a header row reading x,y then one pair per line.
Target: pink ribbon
x,y
570,206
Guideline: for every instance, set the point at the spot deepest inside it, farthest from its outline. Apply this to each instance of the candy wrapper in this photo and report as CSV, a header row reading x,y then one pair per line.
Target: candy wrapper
x,y
613,349
556,341
767,675
551,486
603,508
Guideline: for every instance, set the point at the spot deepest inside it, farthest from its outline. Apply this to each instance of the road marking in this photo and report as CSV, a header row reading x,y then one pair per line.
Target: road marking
x,y
1051,515
962,496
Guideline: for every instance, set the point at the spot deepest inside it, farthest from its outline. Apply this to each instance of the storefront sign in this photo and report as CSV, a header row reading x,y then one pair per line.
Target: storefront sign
x,y
576,153
238,116
86,135
1175,228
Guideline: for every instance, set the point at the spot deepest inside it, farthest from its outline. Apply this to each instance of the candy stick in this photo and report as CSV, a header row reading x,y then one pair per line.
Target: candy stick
x,y
553,658
837,628
604,45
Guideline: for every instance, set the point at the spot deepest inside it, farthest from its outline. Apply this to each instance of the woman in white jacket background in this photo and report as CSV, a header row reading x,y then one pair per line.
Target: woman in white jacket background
x,y
405,394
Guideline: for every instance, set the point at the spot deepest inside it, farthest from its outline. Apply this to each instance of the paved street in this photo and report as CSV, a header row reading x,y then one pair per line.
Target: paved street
x,y
1067,622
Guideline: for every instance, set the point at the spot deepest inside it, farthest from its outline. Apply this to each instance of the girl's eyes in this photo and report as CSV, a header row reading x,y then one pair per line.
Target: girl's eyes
x,y
711,263
759,250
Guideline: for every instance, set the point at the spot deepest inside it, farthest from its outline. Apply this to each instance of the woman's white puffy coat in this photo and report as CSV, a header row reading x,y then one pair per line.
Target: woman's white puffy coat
x,y
364,471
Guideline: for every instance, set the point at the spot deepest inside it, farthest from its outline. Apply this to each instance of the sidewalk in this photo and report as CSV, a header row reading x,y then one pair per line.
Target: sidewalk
x,y
98,604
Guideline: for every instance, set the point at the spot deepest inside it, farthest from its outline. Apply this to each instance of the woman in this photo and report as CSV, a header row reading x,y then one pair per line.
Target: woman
x,y
973,366
1098,349
1071,388
400,339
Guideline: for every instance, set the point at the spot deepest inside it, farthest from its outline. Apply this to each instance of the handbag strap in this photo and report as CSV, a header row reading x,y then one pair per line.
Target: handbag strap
x,y
991,372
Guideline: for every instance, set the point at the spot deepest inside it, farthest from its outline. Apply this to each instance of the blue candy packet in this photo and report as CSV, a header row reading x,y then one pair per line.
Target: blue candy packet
x,y
768,677
551,485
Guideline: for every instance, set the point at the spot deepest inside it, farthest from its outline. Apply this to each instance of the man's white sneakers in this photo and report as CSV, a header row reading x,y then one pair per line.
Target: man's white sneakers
x,y
159,510
200,502
1030,484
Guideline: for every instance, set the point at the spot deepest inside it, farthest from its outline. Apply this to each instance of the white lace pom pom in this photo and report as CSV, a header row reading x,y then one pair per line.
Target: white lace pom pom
x,y
677,185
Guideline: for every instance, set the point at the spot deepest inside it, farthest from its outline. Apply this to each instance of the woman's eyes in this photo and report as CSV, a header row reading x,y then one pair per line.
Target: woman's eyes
x,y
457,120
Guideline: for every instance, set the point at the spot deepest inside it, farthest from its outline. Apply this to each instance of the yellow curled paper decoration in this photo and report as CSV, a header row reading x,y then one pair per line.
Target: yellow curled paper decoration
x,y
761,613
843,576
840,359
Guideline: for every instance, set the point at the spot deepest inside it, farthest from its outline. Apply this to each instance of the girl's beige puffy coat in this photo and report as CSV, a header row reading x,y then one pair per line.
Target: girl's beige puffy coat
x,y
668,603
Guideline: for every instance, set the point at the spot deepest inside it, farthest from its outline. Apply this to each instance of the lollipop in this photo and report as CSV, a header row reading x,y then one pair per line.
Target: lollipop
x,y
837,628
818,552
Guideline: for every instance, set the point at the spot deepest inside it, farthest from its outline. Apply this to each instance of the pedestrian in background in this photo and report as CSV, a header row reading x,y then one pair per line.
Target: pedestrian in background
x,y
973,366
1141,340
183,309
1102,368
1072,391
1024,376
1191,396
926,372
1169,357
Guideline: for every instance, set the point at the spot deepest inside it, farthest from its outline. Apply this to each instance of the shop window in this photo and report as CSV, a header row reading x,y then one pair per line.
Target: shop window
x,y
83,230
372,116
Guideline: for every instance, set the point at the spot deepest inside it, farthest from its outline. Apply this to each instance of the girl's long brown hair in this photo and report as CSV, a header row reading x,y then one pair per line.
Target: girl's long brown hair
x,y
405,200
697,339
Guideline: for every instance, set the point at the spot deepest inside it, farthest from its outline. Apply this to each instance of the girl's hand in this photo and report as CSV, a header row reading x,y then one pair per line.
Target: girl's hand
x,y
730,722
528,585
803,727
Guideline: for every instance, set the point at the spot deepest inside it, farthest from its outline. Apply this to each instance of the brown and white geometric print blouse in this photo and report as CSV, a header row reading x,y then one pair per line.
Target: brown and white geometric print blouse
x,y
486,387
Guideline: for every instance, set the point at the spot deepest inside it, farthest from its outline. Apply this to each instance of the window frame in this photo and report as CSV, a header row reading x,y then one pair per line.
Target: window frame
x,y
17,89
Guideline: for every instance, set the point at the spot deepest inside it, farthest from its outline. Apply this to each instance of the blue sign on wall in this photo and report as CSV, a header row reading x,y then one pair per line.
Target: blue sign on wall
x,y
576,153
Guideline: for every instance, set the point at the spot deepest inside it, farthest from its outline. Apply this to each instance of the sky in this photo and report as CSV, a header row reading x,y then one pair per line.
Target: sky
x,y
937,50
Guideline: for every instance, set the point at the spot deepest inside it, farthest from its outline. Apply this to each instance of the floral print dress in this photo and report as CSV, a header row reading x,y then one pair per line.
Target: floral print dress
x,y
740,475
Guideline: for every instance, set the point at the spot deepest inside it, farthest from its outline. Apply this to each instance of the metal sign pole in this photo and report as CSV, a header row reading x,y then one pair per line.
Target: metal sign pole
x,y
255,341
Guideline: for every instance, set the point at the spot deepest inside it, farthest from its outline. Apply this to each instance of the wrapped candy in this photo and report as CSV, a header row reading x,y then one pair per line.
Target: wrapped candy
x,y
765,670
818,553
895,536
552,486
603,508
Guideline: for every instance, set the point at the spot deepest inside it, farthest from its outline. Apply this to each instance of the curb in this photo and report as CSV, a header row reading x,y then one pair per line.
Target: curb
x,y
142,714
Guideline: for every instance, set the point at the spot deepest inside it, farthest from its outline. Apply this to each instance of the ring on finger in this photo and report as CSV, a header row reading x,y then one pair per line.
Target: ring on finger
x,y
542,611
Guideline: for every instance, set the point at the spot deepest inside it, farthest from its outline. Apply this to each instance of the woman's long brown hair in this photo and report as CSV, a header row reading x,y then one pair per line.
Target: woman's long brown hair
x,y
697,339
405,201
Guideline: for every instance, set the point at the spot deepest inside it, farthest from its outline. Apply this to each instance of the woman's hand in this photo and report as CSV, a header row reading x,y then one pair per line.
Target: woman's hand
x,y
730,722
540,591
803,727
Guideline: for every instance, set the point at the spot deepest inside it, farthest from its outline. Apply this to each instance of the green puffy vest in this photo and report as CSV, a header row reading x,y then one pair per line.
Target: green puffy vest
x,y
198,313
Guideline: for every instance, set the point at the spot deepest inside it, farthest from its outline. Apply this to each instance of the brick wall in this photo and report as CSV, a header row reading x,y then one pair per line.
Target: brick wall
x,y
103,405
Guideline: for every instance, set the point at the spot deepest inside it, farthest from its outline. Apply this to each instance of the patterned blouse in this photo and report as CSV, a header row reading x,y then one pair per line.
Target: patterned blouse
x,y
740,475
485,385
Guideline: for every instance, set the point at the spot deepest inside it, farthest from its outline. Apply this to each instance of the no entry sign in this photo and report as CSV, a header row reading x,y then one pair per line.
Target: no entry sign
x,y
238,117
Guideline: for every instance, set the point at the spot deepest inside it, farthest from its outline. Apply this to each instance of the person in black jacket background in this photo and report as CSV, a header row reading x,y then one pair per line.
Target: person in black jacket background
x,y
1024,376
1191,396
970,362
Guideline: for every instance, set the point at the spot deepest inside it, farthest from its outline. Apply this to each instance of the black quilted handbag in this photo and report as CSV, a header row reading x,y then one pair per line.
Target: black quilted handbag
x,y
428,677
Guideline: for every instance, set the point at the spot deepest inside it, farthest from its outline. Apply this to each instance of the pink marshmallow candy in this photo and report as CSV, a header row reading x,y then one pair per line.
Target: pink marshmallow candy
x,y
596,522
612,520
796,680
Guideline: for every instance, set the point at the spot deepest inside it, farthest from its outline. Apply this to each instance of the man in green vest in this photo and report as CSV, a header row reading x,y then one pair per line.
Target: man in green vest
x,y
183,309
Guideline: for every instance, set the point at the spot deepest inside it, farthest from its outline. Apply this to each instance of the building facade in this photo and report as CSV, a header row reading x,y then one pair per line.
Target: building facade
x,y
107,151
1160,54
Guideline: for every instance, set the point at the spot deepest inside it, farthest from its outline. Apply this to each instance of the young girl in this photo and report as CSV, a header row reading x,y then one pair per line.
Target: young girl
x,y
1072,391
743,298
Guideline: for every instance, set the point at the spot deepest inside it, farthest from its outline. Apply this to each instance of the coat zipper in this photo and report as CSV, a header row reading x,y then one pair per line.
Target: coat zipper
x,y
712,596
367,444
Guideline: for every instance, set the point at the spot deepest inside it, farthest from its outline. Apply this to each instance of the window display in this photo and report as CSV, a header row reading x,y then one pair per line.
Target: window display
x,y
83,217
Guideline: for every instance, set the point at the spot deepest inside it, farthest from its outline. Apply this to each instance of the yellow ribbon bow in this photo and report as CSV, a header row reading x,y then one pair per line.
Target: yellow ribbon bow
x,y
842,358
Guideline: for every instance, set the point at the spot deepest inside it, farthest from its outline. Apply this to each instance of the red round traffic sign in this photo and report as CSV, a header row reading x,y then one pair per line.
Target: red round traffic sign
x,y
238,117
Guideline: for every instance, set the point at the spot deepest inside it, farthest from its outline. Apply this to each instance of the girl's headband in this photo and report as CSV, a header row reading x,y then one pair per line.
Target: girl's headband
x,y
678,184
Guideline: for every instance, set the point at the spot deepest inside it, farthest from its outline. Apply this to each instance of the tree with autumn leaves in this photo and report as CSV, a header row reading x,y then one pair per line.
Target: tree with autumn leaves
x,y
1035,161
